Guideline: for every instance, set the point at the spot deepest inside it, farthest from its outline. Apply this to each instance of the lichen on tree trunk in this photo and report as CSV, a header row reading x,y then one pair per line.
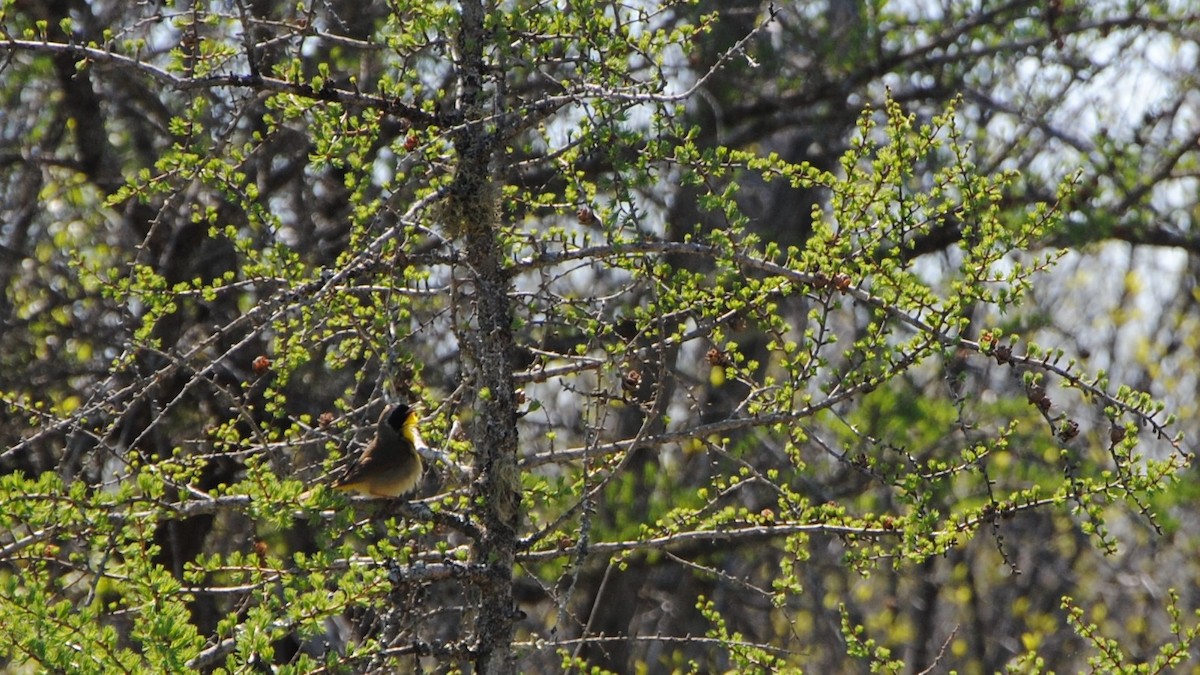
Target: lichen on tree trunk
x,y
484,327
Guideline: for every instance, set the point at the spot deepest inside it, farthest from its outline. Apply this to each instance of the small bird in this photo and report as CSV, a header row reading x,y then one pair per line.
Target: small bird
x,y
390,466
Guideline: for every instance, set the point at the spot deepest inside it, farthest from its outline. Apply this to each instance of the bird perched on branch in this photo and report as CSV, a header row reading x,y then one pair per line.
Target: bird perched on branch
x,y
391,465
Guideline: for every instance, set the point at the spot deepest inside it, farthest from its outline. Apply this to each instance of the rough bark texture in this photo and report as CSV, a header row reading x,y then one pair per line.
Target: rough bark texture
x,y
485,331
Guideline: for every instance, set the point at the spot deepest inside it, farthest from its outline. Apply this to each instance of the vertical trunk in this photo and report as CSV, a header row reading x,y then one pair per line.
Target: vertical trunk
x,y
494,436
485,337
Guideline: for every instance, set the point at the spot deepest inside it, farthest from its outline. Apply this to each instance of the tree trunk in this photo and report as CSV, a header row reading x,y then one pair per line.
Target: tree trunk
x,y
484,328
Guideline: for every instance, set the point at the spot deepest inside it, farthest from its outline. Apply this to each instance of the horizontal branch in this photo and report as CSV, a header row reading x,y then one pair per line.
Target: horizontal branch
x,y
688,640
328,93
741,535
